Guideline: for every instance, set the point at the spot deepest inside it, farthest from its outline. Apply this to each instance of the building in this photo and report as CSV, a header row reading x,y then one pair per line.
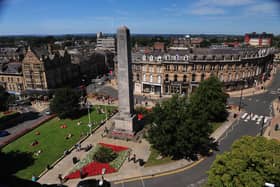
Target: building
x,y
258,40
105,43
44,70
181,71
11,77
159,46
180,43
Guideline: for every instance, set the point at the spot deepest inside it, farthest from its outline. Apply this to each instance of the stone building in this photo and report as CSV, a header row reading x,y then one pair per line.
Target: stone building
x,y
44,70
11,77
181,71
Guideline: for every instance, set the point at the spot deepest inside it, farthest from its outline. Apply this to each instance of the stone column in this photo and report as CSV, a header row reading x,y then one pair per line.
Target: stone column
x,y
124,121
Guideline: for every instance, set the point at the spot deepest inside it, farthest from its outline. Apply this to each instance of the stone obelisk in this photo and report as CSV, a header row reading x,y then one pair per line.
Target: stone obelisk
x,y
124,122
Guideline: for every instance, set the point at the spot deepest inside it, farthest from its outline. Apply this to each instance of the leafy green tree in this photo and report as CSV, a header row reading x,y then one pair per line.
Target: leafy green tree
x,y
105,155
4,98
65,103
252,161
209,99
174,132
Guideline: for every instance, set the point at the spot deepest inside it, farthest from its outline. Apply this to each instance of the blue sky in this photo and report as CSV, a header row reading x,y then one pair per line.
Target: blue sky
x,y
141,16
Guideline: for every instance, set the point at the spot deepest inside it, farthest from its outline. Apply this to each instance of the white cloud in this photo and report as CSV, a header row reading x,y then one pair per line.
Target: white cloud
x,y
207,11
262,9
224,2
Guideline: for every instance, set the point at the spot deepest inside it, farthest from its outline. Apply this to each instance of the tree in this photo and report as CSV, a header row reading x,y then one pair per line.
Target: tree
x,y
209,99
4,98
65,103
104,155
252,161
174,132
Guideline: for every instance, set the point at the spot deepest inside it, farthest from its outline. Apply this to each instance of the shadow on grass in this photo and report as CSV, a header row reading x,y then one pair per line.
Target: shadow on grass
x,y
12,162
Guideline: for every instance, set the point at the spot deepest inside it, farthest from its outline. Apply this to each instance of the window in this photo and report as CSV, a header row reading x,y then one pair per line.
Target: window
x,y
158,69
166,77
229,77
144,68
221,77
175,67
151,69
193,77
144,58
221,67
151,58
185,78
175,78
236,76
167,67
151,78
193,67
137,77
184,68
144,77
203,67
202,77
159,79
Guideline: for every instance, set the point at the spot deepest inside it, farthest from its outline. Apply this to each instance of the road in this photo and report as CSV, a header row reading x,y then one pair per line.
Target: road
x,y
195,176
30,118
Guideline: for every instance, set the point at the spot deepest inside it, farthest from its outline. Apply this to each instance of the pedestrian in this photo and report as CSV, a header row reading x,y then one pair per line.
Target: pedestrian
x,y
134,158
128,156
60,178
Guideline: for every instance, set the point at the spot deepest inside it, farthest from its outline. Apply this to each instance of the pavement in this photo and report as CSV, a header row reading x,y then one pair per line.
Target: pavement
x,y
271,132
129,171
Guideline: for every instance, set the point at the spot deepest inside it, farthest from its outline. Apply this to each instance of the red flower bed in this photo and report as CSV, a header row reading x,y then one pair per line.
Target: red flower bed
x,y
115,148
94,168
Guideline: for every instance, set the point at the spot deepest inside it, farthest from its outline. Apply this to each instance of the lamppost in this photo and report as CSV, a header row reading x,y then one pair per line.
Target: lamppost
x,y
89,119
241,95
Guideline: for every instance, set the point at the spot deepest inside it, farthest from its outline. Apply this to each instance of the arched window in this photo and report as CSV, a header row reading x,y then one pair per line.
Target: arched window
x,y
202,77
151,78
159,79
166,77
144,77
185,78
137,77
193,77
175,78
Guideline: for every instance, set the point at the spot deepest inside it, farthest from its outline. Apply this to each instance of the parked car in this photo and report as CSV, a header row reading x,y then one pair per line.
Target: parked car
x,y
93,183
4,133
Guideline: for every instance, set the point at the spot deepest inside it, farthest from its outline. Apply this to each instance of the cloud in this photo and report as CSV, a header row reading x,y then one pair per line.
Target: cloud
x,y
207,11
263,9
224,2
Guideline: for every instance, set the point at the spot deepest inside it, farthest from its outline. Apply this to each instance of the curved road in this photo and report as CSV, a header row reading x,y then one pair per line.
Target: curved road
x,y
257,104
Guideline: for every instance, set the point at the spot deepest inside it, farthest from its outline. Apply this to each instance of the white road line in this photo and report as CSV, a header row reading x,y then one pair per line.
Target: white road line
x,y
244,115
143,184
255,117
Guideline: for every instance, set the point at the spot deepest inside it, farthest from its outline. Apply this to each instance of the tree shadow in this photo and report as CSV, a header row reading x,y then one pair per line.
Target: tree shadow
x,y
14,161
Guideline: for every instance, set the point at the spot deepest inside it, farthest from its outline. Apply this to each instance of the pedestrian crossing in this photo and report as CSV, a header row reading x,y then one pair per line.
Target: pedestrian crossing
x,y
254,117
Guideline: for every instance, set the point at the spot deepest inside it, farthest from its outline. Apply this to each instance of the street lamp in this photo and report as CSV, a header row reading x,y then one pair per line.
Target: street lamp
x,y
262,125
89,119
241,95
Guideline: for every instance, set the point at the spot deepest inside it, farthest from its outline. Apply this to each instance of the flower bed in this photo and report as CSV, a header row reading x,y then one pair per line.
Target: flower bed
x,y
89,167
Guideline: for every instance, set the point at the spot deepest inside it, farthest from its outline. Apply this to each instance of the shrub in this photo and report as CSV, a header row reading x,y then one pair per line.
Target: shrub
x,y
104,155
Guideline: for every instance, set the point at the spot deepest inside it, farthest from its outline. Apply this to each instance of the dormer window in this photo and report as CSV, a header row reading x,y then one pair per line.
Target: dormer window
x,y
151,58
144,58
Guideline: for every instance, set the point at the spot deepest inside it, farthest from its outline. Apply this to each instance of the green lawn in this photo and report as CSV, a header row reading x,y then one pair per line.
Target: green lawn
x,y
52,141
153,161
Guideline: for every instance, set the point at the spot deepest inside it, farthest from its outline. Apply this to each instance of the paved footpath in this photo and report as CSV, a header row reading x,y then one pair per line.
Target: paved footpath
x,y
129,169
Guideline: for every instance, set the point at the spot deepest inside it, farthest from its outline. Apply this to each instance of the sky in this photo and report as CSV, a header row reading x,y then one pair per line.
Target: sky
x,y
141,16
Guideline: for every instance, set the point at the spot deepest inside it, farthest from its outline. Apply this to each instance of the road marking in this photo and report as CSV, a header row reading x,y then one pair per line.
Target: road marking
x,y
244,115
255,117
143,184
161,174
